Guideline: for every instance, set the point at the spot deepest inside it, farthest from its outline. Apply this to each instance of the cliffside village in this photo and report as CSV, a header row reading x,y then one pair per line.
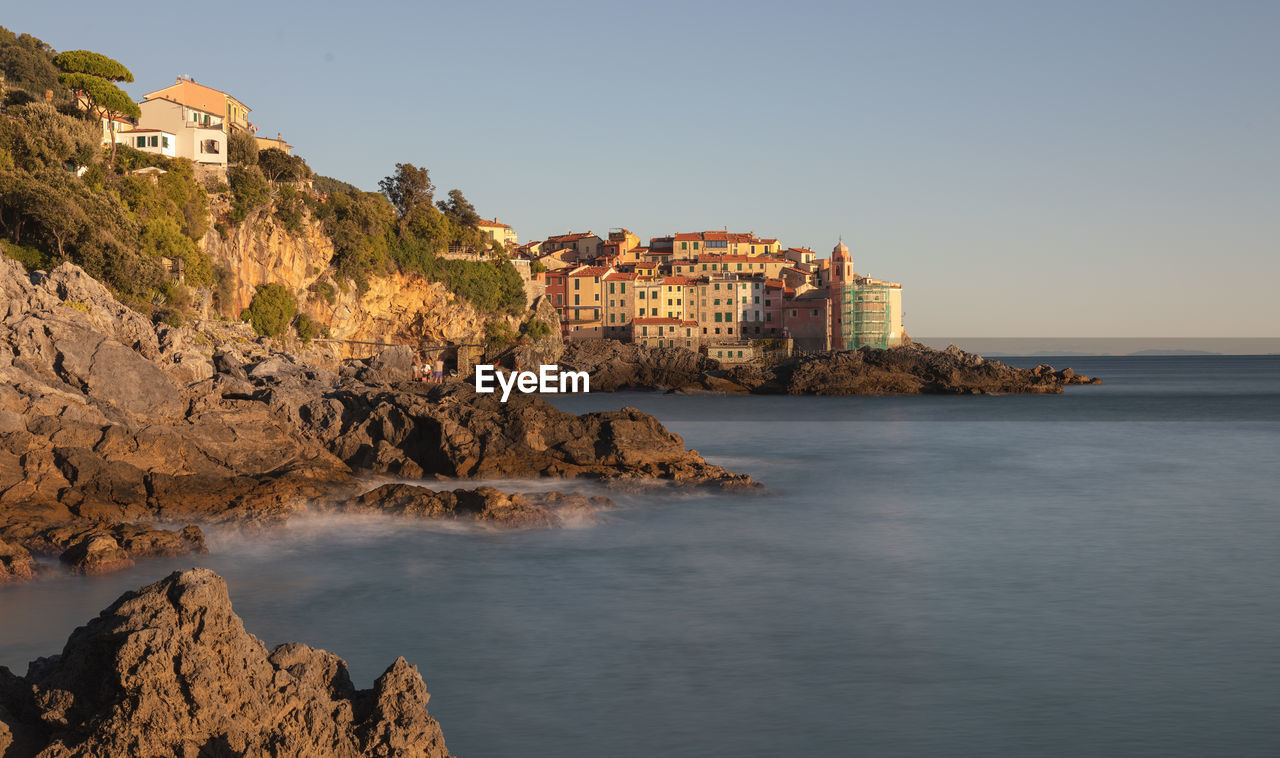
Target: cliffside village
x,y
727,294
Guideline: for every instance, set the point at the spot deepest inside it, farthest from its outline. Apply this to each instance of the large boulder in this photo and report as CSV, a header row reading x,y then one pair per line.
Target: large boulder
x,y
16,564
170,670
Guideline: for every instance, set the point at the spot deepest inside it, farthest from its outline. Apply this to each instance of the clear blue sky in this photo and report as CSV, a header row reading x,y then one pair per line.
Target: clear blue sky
x,y
1094,169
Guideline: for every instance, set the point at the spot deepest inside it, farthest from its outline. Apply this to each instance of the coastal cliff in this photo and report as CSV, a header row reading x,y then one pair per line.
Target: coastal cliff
x,y
907,370
402,308
111,426
170,670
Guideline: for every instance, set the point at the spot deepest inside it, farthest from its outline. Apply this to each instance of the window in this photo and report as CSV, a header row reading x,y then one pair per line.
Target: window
x,y
611,315
704,330
717,301
165,141
768,317
577,300
211,147
757,301
644,331
739,266
695,246
142,142
577,284
653,311
739,353
684,245
717,330
610,292
624,288
730,330
793,314
718,319
813,312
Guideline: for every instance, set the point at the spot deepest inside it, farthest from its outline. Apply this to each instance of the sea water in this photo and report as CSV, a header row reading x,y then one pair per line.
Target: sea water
x,y
1096,573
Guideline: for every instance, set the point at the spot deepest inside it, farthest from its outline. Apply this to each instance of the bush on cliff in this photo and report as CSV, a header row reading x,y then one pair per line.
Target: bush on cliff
x,y
250,190
535,328
271,310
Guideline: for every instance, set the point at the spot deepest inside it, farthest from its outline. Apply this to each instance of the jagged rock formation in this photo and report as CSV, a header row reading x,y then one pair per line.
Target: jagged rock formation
x,y
106,420
618,365
908,370
399,308
534,509
170,670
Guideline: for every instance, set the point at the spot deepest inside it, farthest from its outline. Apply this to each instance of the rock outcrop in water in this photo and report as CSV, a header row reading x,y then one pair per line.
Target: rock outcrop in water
x,y
107,421
486,504
908,370
169,670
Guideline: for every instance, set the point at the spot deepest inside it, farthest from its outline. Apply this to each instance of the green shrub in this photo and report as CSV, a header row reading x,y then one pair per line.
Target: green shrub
x,y
498,333
250,190
289,209
535,328
30,258
271,311
308,328
324,290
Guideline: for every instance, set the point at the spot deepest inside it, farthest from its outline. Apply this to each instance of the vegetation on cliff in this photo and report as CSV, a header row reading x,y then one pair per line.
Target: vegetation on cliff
x,y
64,197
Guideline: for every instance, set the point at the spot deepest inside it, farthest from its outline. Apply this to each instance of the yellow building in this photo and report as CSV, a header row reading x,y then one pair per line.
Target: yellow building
x,y
498,232
277,142
192,95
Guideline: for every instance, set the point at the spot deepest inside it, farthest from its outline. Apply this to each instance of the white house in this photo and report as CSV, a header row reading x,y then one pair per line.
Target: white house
x,y
198,134
150,141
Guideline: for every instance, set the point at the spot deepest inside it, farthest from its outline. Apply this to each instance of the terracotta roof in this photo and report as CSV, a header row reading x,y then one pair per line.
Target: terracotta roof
x,y
215,114
571,237
493,223
777,283
131,131
676,280
194,95
619,275
590,271
645,321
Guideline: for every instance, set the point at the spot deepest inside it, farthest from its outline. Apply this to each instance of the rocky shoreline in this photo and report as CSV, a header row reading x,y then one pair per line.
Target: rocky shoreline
x,y
110,425
912,369
170,670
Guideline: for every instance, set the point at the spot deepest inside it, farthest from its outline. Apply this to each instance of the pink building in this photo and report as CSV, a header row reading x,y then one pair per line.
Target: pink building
x,y
807,319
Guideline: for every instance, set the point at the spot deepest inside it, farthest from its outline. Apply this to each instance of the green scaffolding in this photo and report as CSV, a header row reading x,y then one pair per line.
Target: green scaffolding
x,y
867,316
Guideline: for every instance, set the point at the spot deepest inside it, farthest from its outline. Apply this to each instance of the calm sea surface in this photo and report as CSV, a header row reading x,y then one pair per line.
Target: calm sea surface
x,y
1090,574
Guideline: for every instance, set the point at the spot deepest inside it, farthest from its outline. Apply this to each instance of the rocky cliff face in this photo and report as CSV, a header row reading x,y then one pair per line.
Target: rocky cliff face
x,y
170,670
109,424
402,309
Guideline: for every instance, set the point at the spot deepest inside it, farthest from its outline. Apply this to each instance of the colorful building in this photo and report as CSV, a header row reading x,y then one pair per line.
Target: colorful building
x,y
871,314
233,115
664,332
498,232
198,134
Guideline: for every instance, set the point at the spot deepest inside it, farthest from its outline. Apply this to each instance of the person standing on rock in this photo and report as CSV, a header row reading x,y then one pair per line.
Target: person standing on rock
x,y
439,377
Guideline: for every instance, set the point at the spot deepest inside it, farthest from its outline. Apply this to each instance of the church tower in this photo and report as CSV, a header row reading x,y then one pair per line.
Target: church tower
x,y
839,289
841,264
